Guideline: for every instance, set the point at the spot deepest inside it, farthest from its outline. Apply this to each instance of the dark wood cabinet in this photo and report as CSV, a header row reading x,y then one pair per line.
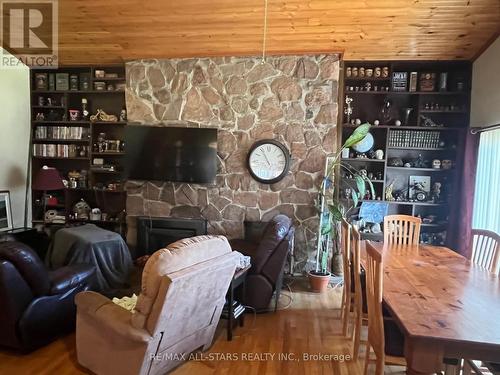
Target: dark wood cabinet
x,y
65,138
421,134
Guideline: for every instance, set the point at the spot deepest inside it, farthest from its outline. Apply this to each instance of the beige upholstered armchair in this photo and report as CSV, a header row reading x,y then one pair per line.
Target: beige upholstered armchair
x,y
182,295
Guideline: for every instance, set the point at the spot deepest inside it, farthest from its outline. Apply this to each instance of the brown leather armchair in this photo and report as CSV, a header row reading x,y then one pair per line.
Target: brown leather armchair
x,y
37,305
268,258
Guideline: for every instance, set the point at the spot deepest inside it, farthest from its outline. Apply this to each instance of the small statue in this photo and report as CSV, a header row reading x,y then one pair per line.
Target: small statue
x,y
436,191
388,192
348,109
103,116
428,122
386,111
419,162
368,195
123,115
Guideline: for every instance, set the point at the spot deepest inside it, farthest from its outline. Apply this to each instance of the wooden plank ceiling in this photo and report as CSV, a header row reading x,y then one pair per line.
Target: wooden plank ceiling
x,y
109,31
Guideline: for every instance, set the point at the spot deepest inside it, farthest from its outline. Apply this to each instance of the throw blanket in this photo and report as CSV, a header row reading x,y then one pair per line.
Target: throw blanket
x,y
105,250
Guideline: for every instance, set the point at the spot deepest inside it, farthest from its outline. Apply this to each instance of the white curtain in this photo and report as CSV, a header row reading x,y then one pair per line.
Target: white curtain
x,y
487,196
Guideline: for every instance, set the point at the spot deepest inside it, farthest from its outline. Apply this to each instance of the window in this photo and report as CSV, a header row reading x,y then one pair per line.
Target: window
x,y
487,197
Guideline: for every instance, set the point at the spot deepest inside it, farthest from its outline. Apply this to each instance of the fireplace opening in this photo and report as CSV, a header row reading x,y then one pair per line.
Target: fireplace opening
x,y
154,233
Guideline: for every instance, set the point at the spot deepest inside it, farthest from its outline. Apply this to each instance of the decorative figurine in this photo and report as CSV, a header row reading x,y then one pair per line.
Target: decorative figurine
x,y
428,122
397,123
386,111
436,191
81,210
436,164
388,192
379,154
103,116
395,162
446,164
123,114
85,111
377,72
418,162
376,122
347,110
408,111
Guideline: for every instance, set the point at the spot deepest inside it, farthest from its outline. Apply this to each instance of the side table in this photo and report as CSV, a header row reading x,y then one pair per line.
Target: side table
x,y
233,310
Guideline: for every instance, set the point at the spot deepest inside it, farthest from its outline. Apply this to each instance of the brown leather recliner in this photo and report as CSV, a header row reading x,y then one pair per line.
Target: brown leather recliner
x,y
268,258
36,305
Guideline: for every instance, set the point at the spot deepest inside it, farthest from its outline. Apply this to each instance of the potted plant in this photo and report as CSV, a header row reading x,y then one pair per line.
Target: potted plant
x,y
331,211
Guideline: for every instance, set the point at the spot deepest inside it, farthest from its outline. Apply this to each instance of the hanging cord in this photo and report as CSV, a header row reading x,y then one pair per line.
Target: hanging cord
x,y
264,39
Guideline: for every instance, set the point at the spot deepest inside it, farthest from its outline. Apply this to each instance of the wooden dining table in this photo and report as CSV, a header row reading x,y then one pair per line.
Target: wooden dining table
x,y
446,306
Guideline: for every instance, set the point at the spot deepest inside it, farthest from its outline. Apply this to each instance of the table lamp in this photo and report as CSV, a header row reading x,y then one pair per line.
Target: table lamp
x,y
47,179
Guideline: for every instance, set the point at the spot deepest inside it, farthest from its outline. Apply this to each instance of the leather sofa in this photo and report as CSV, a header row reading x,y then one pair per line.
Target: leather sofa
x,y
36,305
182,295
268,258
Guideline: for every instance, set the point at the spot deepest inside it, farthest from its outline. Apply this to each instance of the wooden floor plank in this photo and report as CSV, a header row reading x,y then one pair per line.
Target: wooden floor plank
x,y
310,325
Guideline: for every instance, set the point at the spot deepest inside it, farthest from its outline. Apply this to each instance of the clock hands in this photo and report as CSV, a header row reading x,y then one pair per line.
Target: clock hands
x,y
265,156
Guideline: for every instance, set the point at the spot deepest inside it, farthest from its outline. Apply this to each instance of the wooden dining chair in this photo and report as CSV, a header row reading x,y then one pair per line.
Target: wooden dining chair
x,y
345,242
359,317
402,229
485,246
376,336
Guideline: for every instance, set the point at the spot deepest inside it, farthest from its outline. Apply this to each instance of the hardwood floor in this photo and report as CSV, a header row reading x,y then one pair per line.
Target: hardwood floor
x,y
309,327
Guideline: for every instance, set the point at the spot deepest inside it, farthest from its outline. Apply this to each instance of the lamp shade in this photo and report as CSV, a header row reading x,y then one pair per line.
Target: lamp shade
x,y
48,179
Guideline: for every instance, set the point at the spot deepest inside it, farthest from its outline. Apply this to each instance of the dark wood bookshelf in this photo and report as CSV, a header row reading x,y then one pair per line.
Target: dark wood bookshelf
x,y
450,110
103,188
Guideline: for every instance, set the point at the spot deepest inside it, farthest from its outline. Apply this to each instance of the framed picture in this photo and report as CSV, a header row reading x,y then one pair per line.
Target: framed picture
x,y
419,188
5,211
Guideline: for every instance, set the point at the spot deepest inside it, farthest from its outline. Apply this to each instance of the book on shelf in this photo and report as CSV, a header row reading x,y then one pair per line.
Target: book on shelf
x,y
62,132
58,151
414,139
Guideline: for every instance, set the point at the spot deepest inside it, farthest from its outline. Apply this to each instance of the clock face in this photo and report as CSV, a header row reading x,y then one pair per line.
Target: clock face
x,y
268,161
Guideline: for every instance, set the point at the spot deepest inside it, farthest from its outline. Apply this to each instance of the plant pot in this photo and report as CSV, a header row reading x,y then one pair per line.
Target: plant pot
x,y
337,265
318,281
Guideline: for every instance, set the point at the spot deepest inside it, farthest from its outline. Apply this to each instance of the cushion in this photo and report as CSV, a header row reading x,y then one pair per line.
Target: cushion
x,y
175,257
28,264
275,232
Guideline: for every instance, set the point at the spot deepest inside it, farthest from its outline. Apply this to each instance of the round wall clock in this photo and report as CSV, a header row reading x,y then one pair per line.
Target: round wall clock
x,y
268,161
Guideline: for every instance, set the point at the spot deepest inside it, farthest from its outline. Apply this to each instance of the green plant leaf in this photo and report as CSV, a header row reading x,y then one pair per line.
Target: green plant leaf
x,y
357,135
354,195
336,212
361,185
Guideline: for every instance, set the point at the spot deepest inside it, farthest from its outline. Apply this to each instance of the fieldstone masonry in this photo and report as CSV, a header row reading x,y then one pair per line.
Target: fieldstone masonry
x,y
289,98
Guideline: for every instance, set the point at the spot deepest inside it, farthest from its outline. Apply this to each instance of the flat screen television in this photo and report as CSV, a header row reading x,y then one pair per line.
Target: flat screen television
x,y
175,154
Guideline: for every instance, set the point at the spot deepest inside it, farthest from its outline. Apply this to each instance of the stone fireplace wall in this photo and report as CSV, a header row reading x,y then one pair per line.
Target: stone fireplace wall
x,y
289,98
